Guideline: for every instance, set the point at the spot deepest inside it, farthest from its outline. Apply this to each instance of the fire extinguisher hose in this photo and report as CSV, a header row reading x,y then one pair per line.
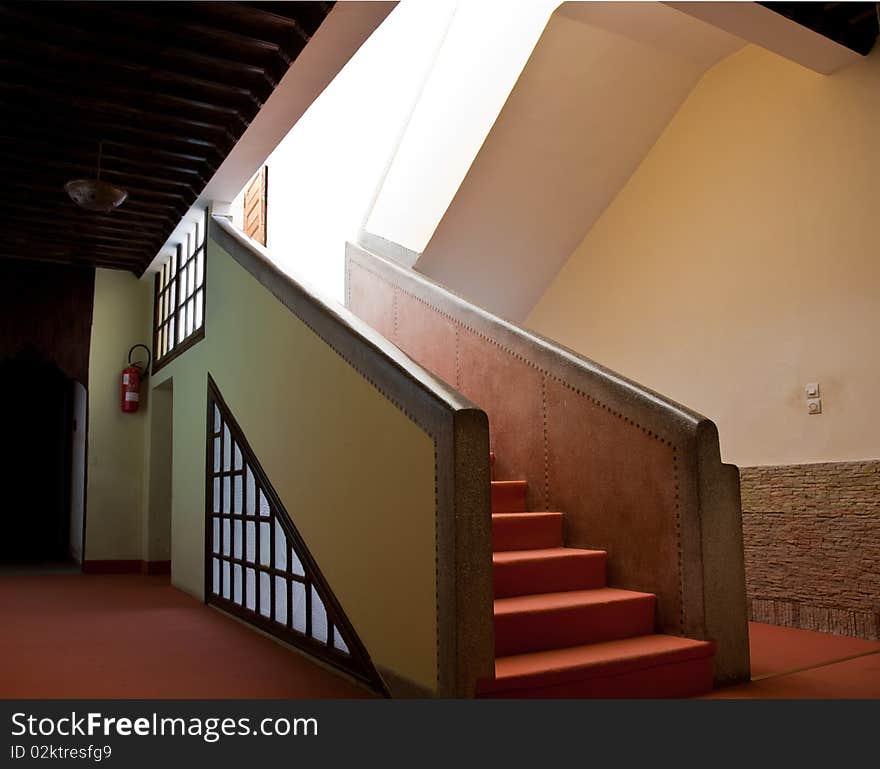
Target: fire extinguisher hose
x,y
149,358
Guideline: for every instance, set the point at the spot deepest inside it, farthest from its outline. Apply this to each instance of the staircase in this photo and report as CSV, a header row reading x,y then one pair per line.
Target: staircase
x,y
560,631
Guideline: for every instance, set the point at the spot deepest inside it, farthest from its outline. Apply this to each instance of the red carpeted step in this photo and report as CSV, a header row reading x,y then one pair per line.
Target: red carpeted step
x,y
509,496
526,531
552,620
549,570
645,666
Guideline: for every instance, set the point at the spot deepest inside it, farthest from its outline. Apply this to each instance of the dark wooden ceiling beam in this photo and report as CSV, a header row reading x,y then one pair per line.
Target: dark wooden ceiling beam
x,y
260,21
217,117
34,224
85,123
19,177
87,169
184,83
214,132
85,154
166,88
35,240
68,258
150,36
63,210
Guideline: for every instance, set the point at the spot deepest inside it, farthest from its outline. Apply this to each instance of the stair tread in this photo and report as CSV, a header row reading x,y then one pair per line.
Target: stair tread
x,y
509,484
540,602
589,660
544,553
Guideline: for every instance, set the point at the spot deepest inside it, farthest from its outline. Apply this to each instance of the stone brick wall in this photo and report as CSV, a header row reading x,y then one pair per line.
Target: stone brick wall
x,y
812,546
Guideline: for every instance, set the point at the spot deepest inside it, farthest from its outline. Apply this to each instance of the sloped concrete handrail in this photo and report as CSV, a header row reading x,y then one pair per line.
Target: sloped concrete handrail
x,y
459,430
634,472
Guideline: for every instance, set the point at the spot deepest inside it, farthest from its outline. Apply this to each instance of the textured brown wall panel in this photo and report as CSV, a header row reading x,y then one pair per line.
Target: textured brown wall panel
x,y
812,546
426,337
508,389
618,487
373,298
46,310
615,481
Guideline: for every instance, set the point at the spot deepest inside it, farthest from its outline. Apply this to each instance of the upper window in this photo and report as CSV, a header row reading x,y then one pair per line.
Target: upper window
x,y
179,312
255,203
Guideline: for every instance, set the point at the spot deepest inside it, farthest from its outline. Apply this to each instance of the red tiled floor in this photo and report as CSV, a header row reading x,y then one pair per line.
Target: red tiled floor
x,y
788,663
780,649
857,678
83,636
101,636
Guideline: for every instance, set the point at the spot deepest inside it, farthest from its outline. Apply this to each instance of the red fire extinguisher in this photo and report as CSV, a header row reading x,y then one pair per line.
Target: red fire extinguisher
x,y
131,381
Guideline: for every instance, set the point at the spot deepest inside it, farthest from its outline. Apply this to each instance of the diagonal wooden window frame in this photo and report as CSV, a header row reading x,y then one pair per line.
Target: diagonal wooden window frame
x,y
167,318
356,662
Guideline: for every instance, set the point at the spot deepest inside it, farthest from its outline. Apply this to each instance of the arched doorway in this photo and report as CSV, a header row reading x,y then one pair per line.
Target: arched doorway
x,y
36,411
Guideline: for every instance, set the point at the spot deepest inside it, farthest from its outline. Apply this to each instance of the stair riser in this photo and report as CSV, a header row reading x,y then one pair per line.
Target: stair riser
x,y
579,572
682,679
508,497
520,632
527,534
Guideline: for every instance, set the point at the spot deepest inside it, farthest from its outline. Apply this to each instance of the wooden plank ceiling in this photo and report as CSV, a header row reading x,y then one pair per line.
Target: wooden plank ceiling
x,y
167,87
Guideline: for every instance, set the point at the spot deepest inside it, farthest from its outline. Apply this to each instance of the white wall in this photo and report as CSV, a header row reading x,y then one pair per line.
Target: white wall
x,y
486,48
122,317
324,173
741,262
601,85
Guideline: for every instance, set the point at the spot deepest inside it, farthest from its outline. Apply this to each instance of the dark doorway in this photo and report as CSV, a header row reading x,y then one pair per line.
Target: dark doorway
x,y
36,411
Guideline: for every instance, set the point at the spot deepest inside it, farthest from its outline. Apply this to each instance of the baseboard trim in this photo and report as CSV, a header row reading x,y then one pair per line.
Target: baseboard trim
x,y
126,566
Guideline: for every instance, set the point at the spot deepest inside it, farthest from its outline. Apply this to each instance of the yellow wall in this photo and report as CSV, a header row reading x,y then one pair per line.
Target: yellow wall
x,y
355,474
742,261
116,456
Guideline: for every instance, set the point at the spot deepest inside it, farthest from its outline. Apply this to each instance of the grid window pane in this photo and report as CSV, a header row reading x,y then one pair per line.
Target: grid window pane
x,y
256,560
200,307
237,494
319,618
250,533
281,600
265,594
226,580
251,589
280,548
250,492
265,543
339,643
299,606
237,539
237,584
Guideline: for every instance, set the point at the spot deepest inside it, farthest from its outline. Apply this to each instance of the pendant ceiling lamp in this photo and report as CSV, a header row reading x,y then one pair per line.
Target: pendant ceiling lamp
x,y
93,194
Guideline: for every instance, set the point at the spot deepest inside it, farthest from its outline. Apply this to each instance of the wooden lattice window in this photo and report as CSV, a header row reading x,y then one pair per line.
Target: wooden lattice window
x,y
257,566
256,198
179,308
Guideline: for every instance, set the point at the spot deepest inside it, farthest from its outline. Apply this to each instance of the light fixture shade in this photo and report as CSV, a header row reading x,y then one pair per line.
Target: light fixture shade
x,y
95,195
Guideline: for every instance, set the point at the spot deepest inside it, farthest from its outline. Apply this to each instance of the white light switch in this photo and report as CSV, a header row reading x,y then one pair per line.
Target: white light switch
x,y
814,406
812,390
